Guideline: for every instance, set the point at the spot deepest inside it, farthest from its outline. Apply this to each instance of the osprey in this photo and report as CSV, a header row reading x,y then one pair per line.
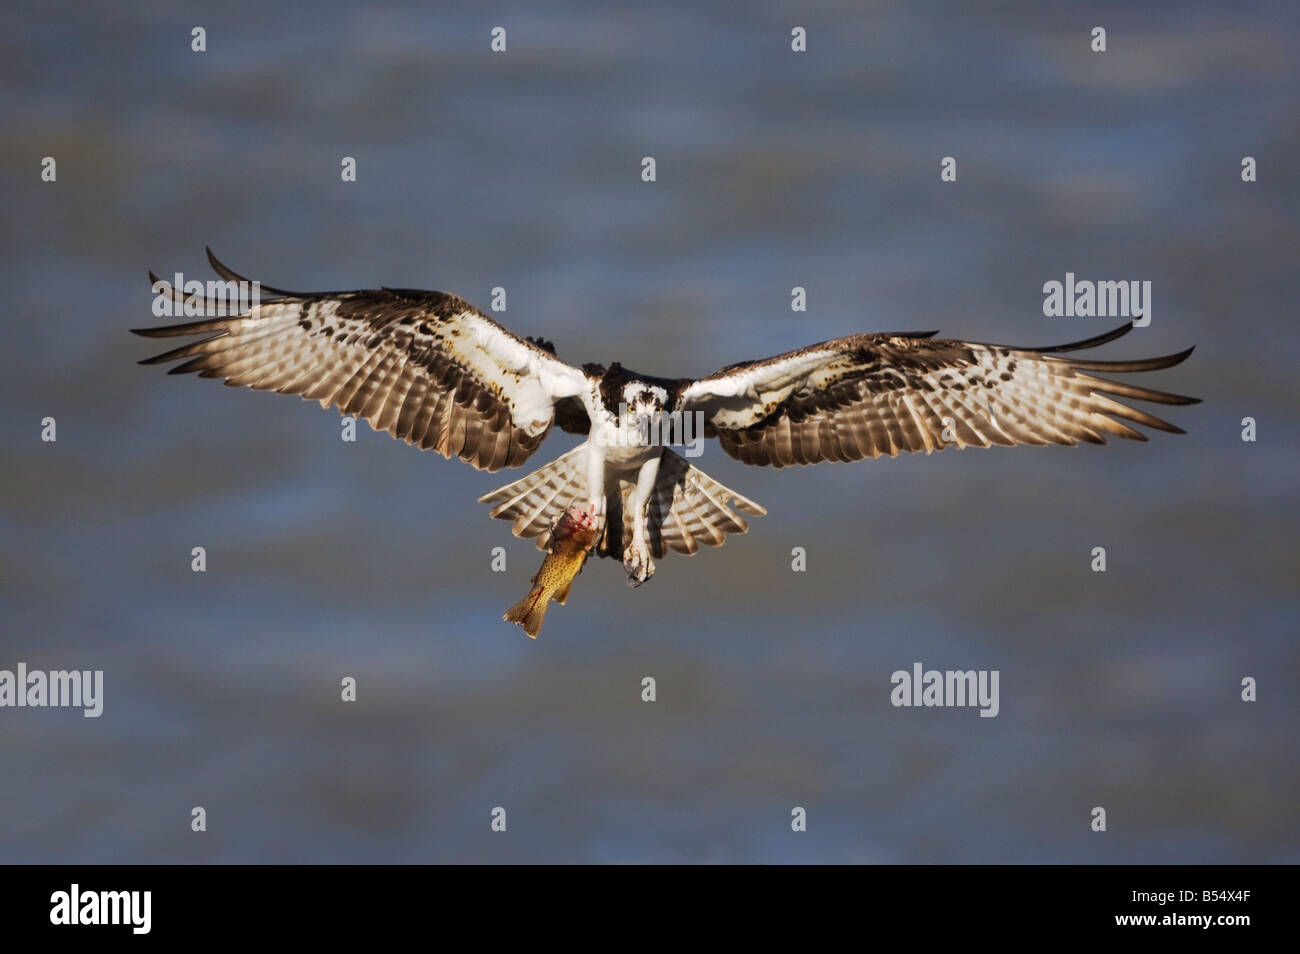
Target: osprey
x,y
430,369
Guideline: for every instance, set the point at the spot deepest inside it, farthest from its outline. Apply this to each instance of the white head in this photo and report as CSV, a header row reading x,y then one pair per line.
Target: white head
x,y
644,401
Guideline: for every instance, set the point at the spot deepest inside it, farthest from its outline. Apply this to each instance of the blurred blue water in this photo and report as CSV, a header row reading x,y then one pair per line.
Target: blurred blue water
x,y
521,169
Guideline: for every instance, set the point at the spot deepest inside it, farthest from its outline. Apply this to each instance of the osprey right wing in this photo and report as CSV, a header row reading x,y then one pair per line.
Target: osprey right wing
x,y
425,366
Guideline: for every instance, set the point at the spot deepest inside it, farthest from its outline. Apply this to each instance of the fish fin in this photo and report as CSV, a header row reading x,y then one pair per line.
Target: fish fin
x,y
562,593
530,612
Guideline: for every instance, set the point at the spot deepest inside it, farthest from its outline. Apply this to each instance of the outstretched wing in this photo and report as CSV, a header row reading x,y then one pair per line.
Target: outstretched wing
x,y
424,366
869,395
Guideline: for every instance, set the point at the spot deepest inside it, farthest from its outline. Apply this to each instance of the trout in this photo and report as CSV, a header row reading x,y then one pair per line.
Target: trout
x,y
571,538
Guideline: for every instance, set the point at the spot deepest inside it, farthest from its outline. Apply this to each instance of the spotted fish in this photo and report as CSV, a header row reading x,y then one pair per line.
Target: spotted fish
x,y
572,538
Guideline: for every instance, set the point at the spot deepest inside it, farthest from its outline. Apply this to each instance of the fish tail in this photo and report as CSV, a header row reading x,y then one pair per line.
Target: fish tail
x,y
530,612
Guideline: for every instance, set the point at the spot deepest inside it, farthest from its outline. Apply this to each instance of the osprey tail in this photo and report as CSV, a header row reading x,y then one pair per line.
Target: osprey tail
x,y
535,502
688,507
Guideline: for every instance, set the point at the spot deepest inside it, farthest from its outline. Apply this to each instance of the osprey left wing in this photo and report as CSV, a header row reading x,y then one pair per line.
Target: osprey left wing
x,y
869,395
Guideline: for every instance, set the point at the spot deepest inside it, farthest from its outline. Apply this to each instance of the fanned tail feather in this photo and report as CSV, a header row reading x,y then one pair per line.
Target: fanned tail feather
x,y
535,502
688,508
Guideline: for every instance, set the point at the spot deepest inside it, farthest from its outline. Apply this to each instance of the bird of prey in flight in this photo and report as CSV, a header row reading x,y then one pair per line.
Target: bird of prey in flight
x,y
430,369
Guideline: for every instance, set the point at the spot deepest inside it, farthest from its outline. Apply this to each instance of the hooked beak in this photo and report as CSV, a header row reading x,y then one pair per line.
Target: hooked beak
x,y
645,420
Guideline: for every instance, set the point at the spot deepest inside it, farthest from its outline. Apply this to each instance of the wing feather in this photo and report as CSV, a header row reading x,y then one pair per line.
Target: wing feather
x,y
424,366
872,395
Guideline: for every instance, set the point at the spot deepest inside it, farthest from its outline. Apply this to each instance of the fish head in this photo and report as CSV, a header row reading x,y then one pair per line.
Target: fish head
x,y
577,521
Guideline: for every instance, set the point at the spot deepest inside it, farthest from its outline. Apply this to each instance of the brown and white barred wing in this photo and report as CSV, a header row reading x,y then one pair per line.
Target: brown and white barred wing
x,y
424,366
871,395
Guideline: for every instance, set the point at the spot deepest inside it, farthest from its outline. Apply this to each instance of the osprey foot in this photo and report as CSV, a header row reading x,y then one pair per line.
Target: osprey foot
x,y
637,562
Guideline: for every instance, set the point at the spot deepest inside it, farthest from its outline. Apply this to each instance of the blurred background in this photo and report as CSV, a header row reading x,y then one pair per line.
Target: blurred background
x,y
775,169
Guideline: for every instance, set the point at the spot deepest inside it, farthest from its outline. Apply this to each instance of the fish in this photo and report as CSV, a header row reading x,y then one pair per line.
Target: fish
x,y
572,538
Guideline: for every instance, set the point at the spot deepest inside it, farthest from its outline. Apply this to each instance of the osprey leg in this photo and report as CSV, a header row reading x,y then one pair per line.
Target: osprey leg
x,y
636,558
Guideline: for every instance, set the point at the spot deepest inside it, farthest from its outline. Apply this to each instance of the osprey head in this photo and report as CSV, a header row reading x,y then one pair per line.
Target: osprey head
x,y
644,402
